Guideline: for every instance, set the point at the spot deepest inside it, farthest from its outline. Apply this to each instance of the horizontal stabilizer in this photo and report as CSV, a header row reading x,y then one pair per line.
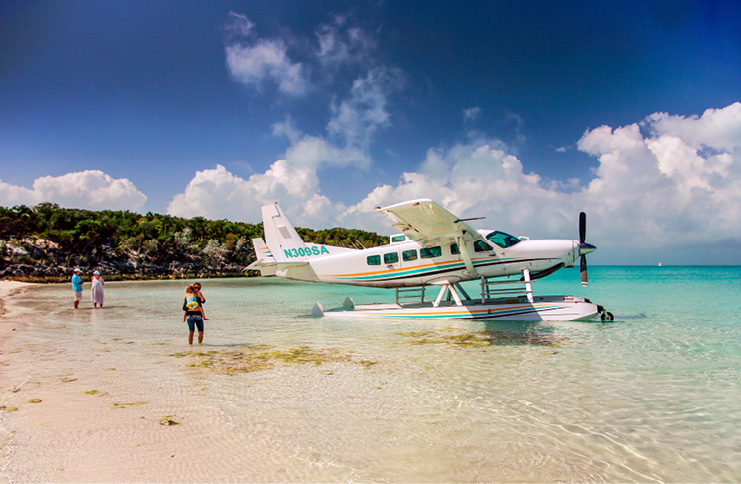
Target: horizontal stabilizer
x,y
262,252
265,262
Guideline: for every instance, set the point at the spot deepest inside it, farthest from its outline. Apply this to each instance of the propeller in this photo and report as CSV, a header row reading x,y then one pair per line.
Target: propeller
x,y
584,248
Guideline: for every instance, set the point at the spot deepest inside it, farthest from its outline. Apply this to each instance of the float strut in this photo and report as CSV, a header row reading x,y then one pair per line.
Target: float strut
x,y
528,285
443,289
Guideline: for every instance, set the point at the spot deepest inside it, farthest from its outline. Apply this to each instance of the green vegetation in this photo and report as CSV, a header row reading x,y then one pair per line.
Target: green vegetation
x,y
168,421
43,243
248,359
448,336
117,406
457,338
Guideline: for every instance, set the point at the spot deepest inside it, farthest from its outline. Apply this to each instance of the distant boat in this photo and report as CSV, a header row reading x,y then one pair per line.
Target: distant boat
x,y
661,264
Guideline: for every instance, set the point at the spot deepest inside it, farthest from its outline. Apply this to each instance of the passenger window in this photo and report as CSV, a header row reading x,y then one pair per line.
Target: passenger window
x,y
481,246
408,255
454,250
430,252
391,258
374,260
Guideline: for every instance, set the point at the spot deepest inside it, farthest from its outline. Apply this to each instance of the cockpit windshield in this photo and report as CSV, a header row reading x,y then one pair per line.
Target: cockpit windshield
x,y
502,240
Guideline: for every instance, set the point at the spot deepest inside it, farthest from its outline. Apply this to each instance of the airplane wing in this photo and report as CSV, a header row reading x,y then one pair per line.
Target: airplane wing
x,y
428,223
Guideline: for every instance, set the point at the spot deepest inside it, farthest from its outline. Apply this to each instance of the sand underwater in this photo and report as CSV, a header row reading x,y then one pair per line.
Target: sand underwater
x,y
273,395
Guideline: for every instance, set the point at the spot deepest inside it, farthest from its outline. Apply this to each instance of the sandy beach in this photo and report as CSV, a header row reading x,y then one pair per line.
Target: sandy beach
x,y
9,322
83,410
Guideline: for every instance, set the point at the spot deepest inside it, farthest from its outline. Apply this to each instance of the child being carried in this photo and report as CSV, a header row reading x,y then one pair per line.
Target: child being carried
x,y
192,302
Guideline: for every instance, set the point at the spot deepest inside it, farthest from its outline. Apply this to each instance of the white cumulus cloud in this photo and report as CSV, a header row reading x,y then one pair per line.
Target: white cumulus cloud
x,y
217,193
89,189
668,181
253,61
266,60
677,183
473,180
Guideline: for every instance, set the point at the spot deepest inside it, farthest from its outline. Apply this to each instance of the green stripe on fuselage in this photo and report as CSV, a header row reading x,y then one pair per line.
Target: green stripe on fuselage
x,y
409,273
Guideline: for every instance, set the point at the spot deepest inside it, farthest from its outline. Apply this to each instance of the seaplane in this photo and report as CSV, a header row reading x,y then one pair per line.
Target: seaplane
x,y
434,250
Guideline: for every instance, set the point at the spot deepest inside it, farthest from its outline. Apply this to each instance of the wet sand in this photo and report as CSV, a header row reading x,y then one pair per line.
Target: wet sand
x,y
82,404
9,322
97,415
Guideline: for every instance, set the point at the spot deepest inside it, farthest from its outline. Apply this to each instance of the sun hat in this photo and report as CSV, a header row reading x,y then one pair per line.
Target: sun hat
x,y
96,273
77,269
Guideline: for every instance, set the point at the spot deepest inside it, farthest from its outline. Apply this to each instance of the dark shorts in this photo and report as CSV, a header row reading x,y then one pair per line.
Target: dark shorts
x,y
193,322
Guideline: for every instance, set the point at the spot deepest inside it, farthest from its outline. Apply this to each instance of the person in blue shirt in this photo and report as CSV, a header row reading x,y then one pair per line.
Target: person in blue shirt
x,y
77,286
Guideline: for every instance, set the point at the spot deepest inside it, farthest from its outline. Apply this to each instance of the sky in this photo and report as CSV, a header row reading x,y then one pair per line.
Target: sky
x,y
525,113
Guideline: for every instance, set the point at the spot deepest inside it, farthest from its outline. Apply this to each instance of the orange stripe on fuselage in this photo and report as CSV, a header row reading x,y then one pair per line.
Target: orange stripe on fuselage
x,y
392,271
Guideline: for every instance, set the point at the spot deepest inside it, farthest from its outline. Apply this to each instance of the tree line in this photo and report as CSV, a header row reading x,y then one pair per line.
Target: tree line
x,y
45,241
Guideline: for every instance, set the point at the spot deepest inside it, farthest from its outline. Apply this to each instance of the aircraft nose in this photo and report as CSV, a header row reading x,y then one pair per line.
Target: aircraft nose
x,y
585,248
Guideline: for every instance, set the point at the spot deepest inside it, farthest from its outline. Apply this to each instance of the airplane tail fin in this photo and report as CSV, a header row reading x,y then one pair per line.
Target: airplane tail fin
x,y
280,235
284,250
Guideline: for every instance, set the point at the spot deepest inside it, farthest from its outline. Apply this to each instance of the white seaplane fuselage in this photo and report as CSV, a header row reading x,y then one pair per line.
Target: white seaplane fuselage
x,y
407,263
435,248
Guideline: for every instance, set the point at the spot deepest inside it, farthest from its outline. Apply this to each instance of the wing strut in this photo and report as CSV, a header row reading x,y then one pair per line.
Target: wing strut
x,y
466,256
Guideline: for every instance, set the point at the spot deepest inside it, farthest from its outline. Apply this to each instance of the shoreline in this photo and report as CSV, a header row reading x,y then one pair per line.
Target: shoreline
x,y
8,290
132,277
9,327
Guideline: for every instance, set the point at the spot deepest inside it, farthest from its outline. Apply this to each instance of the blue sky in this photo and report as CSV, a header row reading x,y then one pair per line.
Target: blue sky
x,y
523,112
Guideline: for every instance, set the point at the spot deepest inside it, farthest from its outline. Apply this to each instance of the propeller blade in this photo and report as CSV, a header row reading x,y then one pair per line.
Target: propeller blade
x,y
582,227
583,271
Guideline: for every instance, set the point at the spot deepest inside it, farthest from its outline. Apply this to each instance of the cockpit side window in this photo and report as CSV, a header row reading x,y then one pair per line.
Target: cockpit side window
x,y
502,240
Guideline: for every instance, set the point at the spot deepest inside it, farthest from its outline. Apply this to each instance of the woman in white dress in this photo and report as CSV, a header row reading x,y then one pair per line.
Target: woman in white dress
x,y
97,289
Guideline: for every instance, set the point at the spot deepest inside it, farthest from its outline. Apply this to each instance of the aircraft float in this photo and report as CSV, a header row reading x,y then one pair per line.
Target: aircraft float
x,y
435,249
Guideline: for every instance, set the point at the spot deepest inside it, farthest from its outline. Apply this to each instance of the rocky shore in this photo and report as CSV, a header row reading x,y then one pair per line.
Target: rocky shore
x,y
41,261
116,271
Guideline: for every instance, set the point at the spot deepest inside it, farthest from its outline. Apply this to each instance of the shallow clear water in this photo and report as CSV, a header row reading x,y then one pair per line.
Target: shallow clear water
x,y
652,396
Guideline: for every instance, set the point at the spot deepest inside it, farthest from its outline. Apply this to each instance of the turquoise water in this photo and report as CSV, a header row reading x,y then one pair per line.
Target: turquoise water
x,y
651,396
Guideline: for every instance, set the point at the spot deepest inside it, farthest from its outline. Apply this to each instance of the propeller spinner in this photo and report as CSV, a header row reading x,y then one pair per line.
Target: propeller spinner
x,y
584,248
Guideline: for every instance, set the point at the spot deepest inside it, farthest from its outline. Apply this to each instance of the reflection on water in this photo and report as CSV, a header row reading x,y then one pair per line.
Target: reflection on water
x,y
274,395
